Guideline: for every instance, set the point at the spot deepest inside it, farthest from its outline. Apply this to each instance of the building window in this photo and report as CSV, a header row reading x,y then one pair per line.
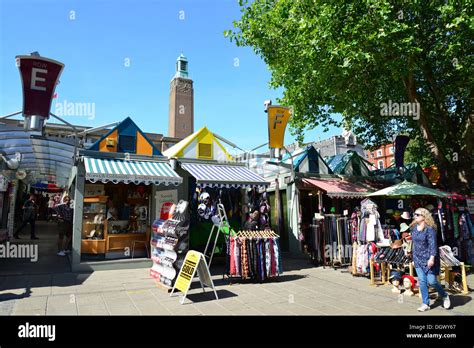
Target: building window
x,y
380,164
205,150
392,160
372,155
128,143
392,150
379,153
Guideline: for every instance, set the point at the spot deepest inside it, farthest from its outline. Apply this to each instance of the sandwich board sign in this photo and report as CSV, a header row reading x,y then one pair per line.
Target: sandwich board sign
x,y
194,261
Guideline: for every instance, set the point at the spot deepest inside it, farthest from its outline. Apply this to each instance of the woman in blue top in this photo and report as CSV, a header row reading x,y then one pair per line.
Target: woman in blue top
x,y
426,257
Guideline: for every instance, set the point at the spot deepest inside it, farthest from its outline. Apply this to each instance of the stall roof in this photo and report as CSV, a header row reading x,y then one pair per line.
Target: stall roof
x,y
340,162
43,158
202,144
406,188
337,188
220,175
307,160
413,172
130,171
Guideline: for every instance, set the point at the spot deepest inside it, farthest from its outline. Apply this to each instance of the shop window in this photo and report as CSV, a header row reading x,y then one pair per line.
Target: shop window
x,y
128,143
205,150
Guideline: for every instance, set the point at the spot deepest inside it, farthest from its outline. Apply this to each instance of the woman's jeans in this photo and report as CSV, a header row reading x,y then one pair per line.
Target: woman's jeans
x,y
425,279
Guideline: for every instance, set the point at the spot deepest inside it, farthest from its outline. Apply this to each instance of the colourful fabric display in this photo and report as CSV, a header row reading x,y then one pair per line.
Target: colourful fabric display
x,y
254,258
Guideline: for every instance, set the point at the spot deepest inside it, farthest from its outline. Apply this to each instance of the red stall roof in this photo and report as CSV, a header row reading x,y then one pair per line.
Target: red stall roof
x,y
337,188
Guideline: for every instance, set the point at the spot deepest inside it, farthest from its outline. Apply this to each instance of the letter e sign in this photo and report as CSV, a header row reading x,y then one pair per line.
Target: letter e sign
x,y
35,78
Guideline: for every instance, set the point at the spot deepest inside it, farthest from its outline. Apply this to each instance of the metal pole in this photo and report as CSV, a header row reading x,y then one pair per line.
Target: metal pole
x,y
73,128
10,115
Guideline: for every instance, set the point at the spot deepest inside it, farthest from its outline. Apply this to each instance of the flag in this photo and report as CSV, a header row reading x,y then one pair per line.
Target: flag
x,y
401,142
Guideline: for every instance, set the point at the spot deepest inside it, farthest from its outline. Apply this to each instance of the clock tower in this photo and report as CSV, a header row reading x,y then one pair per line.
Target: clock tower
x,y
181,115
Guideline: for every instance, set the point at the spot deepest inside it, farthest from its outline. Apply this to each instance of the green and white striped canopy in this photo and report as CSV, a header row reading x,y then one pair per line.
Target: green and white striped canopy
x,y
133,171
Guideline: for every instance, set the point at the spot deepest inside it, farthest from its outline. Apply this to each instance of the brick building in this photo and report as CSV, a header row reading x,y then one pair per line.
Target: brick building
x,y
383,157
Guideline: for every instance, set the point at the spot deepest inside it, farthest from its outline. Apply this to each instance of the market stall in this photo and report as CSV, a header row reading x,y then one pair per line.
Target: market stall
x,y
453,231
211,176
114,185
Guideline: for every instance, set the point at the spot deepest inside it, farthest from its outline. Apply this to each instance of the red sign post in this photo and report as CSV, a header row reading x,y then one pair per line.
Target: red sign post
x,y
39,78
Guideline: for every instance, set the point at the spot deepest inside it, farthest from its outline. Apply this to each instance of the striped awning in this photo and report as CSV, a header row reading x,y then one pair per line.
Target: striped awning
x,y
133,171
217,175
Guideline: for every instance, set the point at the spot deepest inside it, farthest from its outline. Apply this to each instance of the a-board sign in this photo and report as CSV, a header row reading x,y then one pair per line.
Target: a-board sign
x,y
194,261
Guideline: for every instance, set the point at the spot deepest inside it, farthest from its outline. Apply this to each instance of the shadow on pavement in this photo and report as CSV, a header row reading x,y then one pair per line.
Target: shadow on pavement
x,y
11,296
47,271
209,296
456,301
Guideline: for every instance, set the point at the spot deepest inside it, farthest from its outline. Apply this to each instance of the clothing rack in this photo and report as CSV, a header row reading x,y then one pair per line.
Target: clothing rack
x,y
317,242
336,234
257,234
253,255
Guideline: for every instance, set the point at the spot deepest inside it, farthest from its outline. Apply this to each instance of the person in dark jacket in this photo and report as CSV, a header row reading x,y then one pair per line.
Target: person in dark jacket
x,y
30,209
252,224
426,257
66,214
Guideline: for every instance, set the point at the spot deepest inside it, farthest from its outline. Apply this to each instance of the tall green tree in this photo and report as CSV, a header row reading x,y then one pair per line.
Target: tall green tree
x,y
356,57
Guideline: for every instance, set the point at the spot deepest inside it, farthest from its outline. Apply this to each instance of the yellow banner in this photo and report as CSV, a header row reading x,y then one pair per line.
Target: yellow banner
x,y
186,273
278,117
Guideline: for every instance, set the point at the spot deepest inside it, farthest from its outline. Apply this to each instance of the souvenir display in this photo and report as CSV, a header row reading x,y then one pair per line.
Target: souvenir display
x,y
395,279
170,241
409,284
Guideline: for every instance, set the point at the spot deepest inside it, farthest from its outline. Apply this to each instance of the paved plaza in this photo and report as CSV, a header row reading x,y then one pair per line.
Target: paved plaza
x,y
302,290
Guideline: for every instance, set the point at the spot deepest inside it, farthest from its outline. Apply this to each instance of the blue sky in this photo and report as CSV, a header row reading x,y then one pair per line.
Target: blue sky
x,y
99,38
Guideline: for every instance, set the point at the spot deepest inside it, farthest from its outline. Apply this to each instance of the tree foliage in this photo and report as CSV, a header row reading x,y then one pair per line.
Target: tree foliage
x,y
350,57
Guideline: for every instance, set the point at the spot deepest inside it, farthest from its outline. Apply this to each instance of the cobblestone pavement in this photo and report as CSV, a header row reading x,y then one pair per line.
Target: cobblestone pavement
x,y
301,290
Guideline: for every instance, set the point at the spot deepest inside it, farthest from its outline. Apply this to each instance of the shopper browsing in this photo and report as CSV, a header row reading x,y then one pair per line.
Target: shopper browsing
x,y
51,204
252,223
66,214
426,258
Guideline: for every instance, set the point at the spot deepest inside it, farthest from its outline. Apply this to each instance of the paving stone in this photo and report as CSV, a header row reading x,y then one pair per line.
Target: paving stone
x,y
33,303
93,309
122,309
89,299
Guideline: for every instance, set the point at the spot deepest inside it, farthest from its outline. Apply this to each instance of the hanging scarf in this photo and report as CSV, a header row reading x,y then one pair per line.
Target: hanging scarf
x,y
278,256
261,249
237,257
244,259
232,257
268,261
250,256
273,271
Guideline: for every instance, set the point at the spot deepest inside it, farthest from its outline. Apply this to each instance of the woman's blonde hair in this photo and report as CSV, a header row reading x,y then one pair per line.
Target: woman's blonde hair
x,y
428,218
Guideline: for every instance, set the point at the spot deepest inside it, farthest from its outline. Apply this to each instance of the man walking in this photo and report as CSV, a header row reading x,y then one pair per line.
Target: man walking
x,y
66,214
29,216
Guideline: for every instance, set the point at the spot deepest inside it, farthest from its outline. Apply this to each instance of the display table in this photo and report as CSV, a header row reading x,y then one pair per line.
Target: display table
x,y
449,277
